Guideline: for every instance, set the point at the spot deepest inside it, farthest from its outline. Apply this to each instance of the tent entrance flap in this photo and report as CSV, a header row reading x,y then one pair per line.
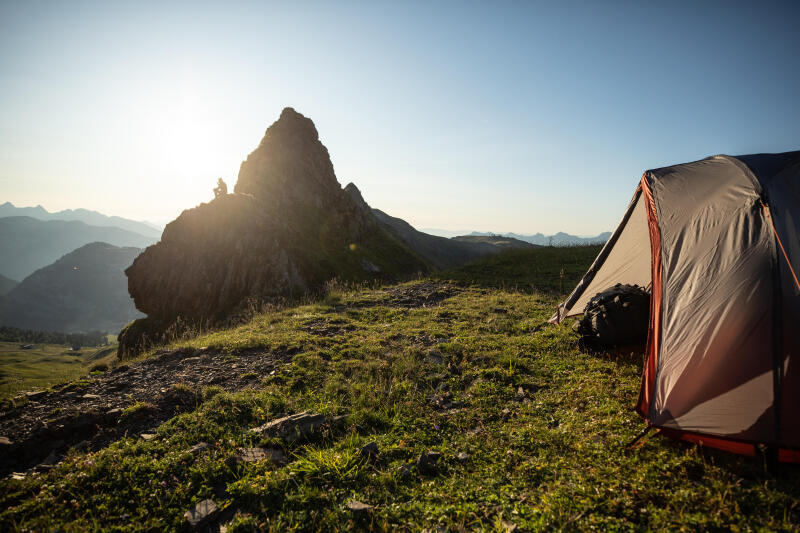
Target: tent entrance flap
x,y
624,259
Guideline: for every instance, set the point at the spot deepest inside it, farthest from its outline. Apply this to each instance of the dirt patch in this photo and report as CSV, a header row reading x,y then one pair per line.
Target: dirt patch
x,y
423,294
92,413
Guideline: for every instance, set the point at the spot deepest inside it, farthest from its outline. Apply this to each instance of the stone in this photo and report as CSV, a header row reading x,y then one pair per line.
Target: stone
x,y
359,507
404,470
37,395
509,527
255,455
428,461
91,396
293,427
199,447
147,436
370,451
5,441
201,514
520,393
340,421
462,456
114,413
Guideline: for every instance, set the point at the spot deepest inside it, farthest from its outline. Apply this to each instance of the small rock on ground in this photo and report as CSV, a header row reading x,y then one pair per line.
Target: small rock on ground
x,y
359,507
201,514
254,455
370,450
428,461
293,427
199,447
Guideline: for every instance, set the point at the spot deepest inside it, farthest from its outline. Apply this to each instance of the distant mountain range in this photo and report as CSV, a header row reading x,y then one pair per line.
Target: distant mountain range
x,y
6,284
27,244
92,218
500,242
84,290
559,239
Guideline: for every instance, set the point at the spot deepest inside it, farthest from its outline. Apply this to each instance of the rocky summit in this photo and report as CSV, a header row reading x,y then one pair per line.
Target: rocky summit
x,y
287,229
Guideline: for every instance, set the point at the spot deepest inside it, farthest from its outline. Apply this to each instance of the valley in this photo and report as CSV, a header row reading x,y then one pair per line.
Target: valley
x,y
45,365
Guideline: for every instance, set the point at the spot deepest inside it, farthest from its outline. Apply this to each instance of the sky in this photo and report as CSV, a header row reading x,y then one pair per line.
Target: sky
x,y
493,116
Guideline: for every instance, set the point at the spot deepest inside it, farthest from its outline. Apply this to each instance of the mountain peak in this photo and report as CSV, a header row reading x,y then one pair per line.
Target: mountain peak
x,y
290,166
355,194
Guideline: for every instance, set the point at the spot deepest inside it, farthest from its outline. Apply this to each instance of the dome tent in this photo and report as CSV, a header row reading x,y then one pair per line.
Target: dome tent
x,y
718,243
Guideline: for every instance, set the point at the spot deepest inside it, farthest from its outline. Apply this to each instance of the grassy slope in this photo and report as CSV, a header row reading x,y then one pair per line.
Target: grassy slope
x,y
554,459
46,365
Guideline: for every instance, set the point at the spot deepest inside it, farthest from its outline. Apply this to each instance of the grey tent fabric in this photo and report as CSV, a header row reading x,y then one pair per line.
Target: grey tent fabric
x,y
721,237
627,261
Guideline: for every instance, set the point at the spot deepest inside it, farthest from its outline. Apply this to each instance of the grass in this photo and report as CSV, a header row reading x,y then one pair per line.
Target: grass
x,y
546,269
47,365
544,427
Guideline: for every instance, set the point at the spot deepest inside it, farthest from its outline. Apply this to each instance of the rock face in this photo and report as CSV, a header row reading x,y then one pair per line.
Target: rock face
x,y
287,229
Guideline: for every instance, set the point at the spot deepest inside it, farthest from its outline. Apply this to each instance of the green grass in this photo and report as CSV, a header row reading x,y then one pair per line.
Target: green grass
x,y
553,458
46,365
547,269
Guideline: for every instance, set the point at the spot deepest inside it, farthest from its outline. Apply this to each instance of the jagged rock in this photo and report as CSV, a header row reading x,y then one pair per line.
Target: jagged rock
x,y
293,427
201,514
288,228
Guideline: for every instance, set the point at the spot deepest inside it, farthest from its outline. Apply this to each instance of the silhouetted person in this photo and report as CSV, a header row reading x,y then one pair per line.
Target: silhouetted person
x,y
221,189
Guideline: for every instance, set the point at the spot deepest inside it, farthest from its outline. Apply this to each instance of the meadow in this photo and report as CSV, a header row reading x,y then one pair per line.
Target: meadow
x,y
46,365
452,405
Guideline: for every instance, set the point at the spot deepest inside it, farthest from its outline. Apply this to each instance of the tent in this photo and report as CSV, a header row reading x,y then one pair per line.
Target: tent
x,y
718,243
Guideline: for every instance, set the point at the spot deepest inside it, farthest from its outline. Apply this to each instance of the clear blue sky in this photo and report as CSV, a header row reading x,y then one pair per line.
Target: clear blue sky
x,y
502,116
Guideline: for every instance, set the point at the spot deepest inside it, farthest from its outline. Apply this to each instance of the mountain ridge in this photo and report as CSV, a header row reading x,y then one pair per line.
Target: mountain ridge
x,y
83,290
558,239
29,244
87,216
439,252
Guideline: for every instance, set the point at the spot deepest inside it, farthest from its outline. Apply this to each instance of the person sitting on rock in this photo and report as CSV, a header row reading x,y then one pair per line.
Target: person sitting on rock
x,y
221,189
